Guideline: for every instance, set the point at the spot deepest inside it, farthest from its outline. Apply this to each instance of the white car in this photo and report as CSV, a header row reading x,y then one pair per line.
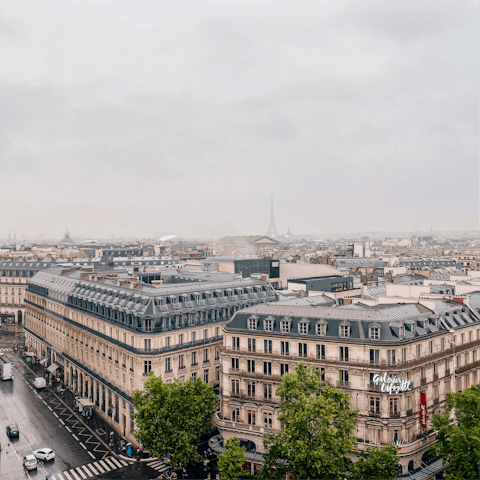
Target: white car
x,y
44,454
30,462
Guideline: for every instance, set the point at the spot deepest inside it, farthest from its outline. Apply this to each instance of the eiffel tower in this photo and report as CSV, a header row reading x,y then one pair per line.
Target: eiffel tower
x,y
272,229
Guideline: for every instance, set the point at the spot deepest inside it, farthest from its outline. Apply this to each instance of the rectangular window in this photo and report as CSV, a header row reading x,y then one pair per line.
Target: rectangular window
x,y
147,366
235,387
343,354
320,352
267,346
285,326
391,356
252,324
251,366
168,366
375,405
167,341
442,344
374,333
320,329
251,417
180,339
181,362
205,334
404,354
462,338
235,364
418,351
268,420
302,350
194,359
344,378
148,325
250,389
235,343
284,348
394,406
148,344
251,344
267,391
303,328
283,369
235,414
193,336
217,331
430,347
268,325
267,368
217,354
205,376
374,356
205,355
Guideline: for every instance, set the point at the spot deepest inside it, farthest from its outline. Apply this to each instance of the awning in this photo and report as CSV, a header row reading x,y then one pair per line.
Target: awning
x,y
52,367
86,402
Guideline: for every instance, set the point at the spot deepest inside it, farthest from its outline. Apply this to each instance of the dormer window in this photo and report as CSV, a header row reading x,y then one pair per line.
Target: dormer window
x,y
303,327
268,324
285,326
344,330
252,323
401,332
374,333
321,329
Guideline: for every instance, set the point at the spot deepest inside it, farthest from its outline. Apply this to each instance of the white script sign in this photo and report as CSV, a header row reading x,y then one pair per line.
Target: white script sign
x,y
392,384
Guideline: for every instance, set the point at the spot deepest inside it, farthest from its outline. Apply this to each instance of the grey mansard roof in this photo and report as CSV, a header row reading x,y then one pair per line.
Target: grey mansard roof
x,y
416,319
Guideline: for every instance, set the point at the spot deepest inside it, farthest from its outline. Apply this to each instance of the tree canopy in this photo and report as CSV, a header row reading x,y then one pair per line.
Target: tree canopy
x,y
459,445
317,429
170,417
230,462
376,463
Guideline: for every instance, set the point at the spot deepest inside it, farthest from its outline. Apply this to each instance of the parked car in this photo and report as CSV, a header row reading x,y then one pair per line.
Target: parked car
x,y
12,430
45,454
30,462
39,383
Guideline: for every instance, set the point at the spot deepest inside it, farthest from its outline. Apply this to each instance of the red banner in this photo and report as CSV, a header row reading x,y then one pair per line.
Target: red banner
x,y
423,410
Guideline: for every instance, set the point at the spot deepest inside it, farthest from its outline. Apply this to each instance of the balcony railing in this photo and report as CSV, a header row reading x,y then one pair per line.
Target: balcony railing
x,y
435,377
436,401
423,381
394,415
344,384
447,372
409,412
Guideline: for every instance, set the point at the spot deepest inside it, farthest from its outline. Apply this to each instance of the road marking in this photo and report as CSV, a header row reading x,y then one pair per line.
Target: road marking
x,y
44,402
110,463
90,466
89,473
61,421
83,445
50,408
155,464
67,476
59,475
114,460
75,437
104,465
55,414
124,463
68,429
91,454
99,467
78,469
72,471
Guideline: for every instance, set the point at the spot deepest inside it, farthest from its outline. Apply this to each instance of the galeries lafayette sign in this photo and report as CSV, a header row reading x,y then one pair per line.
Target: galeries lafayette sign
x,y
393,384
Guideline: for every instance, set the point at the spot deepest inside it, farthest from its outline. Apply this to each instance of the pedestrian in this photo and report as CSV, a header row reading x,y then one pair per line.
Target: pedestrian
x,y
129,451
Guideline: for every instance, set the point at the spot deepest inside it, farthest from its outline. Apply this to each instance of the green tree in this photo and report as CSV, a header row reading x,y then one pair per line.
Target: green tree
x,y
317,429
170,417
230,462
376,463
459,445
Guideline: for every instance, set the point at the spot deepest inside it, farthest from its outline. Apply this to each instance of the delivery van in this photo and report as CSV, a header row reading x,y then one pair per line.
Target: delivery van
x,y
40,383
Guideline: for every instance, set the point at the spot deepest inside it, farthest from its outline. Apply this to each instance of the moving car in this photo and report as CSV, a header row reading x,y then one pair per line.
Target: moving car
x,y
45,454
30,462
12,430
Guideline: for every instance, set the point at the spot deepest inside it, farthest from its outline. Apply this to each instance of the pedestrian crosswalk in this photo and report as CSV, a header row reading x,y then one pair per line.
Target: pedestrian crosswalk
x,y
3,349
90,469
158,465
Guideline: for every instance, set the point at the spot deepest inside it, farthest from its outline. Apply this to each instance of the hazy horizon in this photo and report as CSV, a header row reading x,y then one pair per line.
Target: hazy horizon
x,y
137,120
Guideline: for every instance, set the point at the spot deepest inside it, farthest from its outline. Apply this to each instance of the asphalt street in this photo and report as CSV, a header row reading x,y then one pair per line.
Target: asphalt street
x,y
43,421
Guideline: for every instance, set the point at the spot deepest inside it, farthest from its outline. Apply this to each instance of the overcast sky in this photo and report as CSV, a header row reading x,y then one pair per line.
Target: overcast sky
x,y
153,117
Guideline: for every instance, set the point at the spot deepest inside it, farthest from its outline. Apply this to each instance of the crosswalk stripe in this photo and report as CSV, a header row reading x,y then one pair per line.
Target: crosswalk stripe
x,y
116,462
80,471
53,477
89,474
74,474
155,464
90,466
67,476
59,476
99,467
91,454
104,465
110,463
124,463
161,468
